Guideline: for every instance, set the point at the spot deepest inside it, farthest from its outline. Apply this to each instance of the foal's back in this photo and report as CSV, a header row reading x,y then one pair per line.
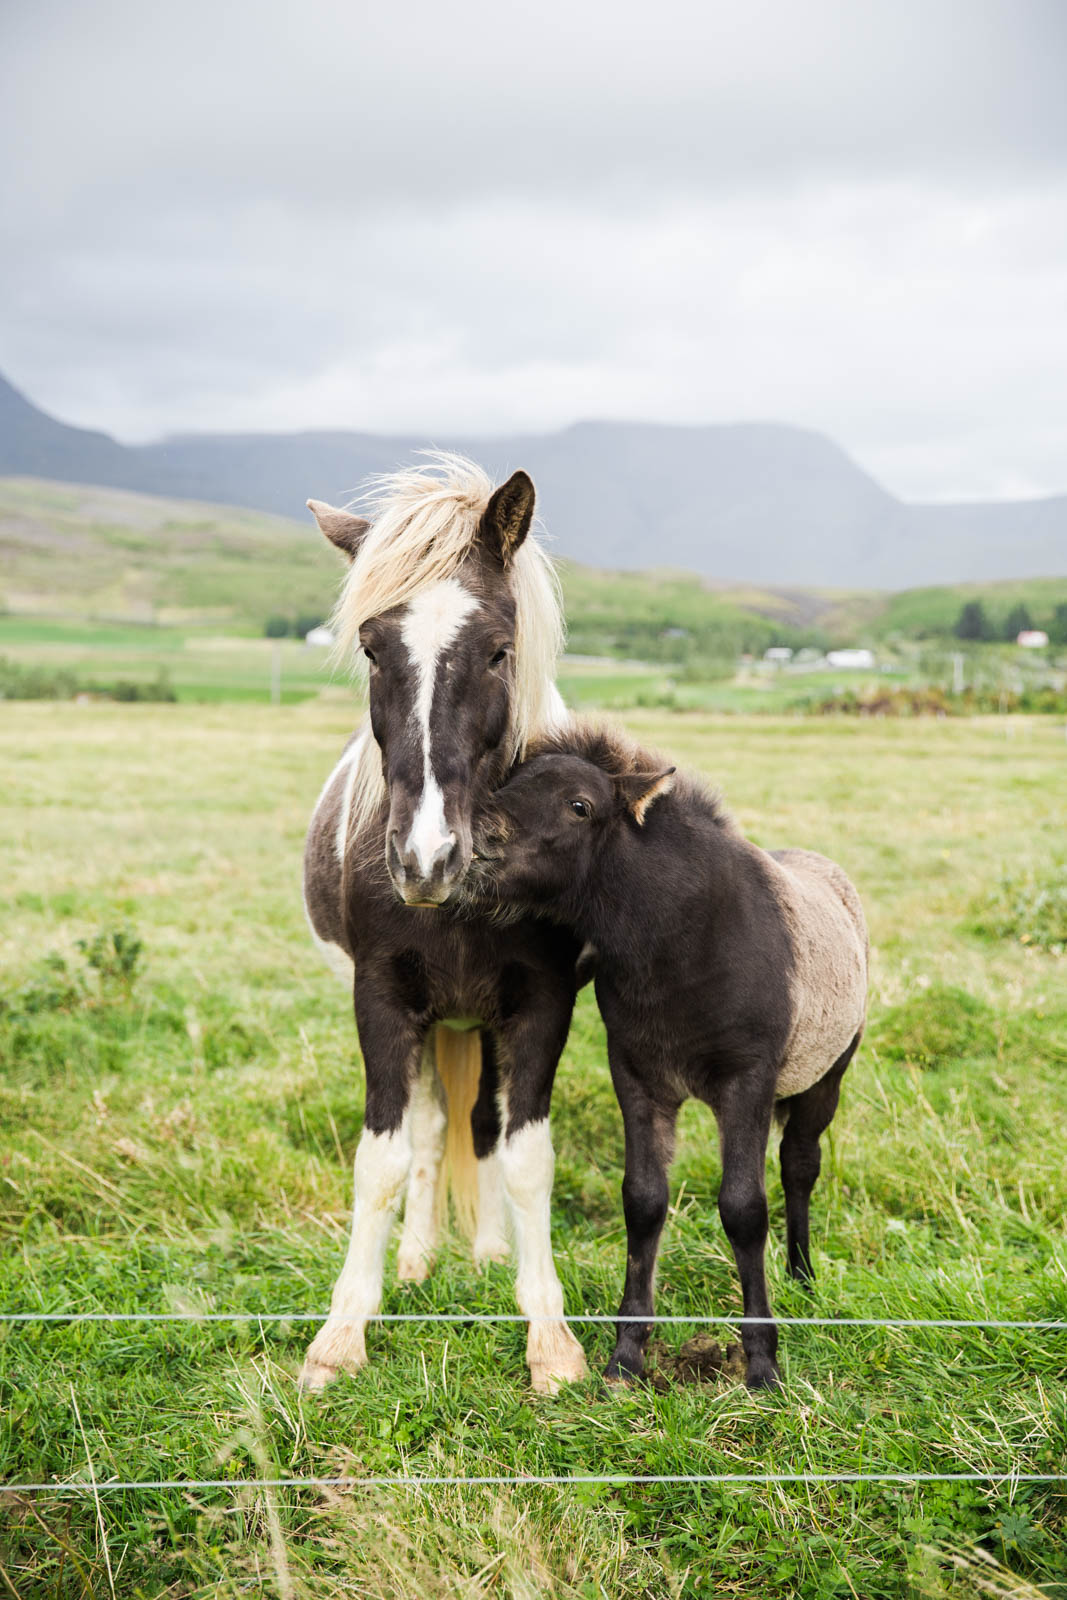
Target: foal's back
x,y
828,933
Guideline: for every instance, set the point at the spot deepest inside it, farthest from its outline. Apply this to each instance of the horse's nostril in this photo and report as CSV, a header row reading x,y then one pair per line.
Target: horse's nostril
x,y
454,857
395,859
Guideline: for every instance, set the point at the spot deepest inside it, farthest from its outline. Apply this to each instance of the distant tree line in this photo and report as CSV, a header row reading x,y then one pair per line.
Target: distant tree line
x,y
692,649
22,681
279,627
975,624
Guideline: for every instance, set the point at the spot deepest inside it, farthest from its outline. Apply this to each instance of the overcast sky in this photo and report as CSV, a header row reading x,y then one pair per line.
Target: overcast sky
x,y
445,218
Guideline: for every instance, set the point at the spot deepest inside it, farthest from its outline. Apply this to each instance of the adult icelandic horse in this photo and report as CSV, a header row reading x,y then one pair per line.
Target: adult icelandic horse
x,y
455,608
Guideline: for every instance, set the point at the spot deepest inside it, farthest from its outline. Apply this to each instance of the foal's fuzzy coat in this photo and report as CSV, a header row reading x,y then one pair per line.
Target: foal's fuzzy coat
x,y
727,972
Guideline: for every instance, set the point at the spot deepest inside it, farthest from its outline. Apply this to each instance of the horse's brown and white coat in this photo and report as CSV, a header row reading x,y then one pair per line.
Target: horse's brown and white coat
x,y
455,609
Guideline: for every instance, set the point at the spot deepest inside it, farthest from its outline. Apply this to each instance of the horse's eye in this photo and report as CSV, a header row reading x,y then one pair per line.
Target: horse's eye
x,y
501,655
371,657
580,808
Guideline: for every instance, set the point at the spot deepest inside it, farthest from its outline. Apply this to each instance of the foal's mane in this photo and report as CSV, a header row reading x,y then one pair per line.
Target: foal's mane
x,y
617,755
424,526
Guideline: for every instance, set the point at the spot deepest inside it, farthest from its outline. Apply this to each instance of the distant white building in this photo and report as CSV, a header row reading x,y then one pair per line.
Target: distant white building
x,y
855,660
778,652
1032,639
321,637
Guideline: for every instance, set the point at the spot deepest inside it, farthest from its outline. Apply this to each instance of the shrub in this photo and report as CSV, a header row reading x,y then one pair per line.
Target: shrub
x,y
1030,906
939,1025
19,681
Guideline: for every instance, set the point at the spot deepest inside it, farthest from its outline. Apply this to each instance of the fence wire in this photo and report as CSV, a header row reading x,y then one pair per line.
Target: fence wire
x,y
533,1481
563,1480
1047,1325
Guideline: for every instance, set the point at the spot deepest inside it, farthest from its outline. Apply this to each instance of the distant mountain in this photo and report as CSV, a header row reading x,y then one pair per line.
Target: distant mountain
x,y
759,502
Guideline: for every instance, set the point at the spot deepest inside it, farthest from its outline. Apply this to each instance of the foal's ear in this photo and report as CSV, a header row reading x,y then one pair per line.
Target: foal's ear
x,y
639,789
507,518
340,527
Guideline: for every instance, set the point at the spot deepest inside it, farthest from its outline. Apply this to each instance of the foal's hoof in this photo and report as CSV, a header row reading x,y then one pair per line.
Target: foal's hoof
x,y
762,1374
621,1373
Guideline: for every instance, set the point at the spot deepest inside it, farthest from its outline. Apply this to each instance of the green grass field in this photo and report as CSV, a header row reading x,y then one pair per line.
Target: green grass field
x,y
177,1133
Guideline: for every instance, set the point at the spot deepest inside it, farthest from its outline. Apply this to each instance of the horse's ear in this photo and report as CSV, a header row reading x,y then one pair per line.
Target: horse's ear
x,y
340,527
507,518
639,789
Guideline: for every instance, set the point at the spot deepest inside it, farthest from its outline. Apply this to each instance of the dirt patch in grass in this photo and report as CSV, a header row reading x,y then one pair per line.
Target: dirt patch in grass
x,y
700,1360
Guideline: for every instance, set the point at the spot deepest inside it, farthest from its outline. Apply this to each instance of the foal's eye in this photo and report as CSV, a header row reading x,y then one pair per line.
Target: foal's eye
x,y
580,808
501,655
371,657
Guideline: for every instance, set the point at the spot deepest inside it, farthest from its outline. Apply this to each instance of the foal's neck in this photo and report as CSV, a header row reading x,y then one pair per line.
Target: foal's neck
x,y
647,881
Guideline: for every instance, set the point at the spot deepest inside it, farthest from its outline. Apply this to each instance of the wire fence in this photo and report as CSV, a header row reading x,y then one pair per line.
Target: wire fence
x,y
1045,1325
94,1486
533,1481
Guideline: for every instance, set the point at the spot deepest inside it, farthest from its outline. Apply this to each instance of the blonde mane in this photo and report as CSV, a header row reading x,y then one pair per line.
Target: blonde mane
x,y
424,523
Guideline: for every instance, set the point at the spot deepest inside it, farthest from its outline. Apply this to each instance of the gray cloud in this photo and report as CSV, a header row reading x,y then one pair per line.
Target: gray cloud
x,y
455,218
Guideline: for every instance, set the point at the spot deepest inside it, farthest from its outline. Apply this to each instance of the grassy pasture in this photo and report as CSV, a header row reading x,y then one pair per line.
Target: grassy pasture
x,y
176,1131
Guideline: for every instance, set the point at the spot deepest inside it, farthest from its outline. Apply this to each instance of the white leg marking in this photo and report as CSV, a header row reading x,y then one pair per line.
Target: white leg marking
x,y
381,1168
491,1236
432,621
419,1238
553,1354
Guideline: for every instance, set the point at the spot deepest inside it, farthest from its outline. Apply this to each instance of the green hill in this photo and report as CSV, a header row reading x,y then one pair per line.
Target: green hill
x,y
108,553
82,567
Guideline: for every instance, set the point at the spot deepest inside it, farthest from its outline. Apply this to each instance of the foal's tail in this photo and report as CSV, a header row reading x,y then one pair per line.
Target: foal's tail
x,y
459,1063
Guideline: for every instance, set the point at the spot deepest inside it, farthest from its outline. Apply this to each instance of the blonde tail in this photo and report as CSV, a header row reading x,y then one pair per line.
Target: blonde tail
x,y
459,1065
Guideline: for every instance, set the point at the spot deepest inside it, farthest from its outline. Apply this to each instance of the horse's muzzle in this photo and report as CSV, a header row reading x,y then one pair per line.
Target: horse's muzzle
x,y
421,882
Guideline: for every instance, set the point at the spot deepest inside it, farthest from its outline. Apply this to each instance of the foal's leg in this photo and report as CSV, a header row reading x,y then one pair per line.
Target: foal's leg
x,y
530,1051
391,1049
649,1128
744,1117
491,1233
418,1241
810,1114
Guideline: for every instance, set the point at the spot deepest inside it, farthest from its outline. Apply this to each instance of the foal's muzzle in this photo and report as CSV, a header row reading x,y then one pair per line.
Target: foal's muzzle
x,y
426,882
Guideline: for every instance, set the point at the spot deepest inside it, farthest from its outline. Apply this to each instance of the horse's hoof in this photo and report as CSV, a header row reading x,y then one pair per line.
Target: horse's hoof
x,y
335,1348
545,1379
413,1266
762,1374
560,1360
314,1377
621,1373
492,1249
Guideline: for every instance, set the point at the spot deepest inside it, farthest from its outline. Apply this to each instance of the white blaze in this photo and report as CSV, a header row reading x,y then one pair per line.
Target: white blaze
x,y
433,620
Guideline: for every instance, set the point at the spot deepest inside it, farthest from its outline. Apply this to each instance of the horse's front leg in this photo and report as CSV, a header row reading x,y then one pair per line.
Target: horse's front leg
x,y
649,1124
490,1236
392,1045
418,1240
743,1111
529,1049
